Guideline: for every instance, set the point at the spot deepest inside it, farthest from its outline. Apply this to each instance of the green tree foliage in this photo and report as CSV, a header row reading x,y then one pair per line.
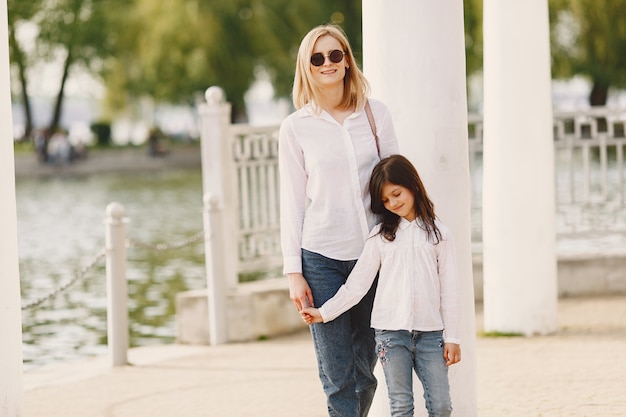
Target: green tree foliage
x,y
589,39
473,20
21,12
172,50
78,30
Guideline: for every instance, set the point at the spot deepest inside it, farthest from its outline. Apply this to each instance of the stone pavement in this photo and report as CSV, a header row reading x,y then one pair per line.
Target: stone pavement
x,y
579,372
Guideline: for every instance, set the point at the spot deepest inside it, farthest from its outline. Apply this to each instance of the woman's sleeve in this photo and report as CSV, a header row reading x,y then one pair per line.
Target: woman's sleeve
x,y
292,197
358,283
387,138
450,288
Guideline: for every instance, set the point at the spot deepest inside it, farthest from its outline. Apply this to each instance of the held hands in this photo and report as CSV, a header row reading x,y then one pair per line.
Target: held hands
x,y
299,291
302,297
451,353
311,315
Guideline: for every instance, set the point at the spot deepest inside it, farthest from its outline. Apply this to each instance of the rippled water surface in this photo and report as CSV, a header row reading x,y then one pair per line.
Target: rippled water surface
x,y
61,230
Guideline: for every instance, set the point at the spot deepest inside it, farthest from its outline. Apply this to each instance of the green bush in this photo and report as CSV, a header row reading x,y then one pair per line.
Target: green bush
x,y
102,130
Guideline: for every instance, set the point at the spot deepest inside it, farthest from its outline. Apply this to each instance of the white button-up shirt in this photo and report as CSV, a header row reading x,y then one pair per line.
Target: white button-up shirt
x,y
418,286
325,169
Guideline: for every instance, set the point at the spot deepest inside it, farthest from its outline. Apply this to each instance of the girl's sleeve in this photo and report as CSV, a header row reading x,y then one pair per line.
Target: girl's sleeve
x,y
293,180
450,288
358,283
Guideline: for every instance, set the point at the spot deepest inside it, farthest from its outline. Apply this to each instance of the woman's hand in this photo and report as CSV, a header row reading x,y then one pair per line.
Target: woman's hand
x,y
311,315
299,291
451,353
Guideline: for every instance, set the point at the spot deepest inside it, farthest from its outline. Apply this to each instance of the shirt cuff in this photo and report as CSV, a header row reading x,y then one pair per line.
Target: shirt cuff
x,y
324,314
454,340
292,264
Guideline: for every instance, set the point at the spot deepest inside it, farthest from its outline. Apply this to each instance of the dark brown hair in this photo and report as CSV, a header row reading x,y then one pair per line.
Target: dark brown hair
x,y
398,170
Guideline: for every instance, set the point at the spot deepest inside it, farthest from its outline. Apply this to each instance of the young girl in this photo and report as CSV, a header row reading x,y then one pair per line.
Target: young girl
x,y
417,297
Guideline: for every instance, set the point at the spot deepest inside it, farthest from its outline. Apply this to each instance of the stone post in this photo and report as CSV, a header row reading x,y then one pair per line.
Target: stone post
x,y
117,286
519,254
219,178
414,57
215,266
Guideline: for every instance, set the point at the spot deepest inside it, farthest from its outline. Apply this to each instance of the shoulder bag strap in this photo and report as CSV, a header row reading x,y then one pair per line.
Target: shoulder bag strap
x,y
370,118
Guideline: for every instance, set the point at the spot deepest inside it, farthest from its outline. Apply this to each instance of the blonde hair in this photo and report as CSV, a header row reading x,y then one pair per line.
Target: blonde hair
x,y
356,87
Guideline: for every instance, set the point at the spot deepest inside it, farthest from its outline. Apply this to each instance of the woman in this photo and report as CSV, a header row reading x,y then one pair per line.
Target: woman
x,y
327,151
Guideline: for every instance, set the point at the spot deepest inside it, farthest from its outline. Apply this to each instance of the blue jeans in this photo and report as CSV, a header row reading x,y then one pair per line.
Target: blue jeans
x,y
345,347
400,352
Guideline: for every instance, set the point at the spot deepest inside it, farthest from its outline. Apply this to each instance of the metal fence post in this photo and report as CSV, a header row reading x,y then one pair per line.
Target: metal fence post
x,y
117,307
216,283
219,177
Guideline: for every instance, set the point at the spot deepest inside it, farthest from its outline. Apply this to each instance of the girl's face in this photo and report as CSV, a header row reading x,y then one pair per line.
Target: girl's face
x,y
399,200
329,73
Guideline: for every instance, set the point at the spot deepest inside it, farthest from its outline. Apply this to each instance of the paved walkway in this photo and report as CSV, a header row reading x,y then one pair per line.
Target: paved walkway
x,y
579,372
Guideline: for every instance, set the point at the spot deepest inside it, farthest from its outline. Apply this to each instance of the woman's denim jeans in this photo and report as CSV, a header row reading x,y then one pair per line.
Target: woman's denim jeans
x,y
345,347
401,351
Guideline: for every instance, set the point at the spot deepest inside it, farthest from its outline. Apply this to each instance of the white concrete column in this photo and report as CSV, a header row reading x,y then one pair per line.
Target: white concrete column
x,y
217,291
117,285
10,303
414,57
519,260
219,177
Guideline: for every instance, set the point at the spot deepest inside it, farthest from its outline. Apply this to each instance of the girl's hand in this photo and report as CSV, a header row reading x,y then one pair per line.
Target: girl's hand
x,y
299,291
311,315
451,353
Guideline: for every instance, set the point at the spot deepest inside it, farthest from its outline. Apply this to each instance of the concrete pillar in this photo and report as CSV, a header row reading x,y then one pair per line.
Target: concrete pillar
x,y
117,286
217,299
218,176
414,58
10,303
519,255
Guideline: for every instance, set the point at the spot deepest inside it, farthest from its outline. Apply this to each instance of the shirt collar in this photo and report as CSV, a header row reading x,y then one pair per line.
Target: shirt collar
x,y
307,111
404,223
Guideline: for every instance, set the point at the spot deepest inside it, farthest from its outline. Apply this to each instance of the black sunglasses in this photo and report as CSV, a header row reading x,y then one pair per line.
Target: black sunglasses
x,y
335,56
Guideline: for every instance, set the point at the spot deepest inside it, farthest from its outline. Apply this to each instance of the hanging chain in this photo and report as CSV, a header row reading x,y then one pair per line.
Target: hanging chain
x,y
80,275
171,245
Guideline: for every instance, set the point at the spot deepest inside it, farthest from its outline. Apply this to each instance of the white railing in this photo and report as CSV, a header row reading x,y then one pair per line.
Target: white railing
x,y
255,153
589,152
590,170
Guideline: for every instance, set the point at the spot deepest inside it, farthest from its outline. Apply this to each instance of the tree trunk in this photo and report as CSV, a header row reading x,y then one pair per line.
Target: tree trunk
x,y
19,60
599,93
58,106
597,97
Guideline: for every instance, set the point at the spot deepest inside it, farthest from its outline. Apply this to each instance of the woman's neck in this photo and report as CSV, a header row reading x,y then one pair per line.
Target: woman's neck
x,y
331,100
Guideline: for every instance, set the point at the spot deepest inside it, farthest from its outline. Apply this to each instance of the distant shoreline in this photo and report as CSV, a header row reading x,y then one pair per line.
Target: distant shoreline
x,y
121,160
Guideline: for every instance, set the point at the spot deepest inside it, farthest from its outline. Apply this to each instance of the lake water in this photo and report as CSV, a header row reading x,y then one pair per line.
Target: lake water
x,y
61,230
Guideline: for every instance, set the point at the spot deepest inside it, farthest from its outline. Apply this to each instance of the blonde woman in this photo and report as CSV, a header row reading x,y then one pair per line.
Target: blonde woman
x,y
327,150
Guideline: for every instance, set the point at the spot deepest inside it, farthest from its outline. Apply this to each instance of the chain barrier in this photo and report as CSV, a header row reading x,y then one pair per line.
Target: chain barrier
x,y
164,246
80,275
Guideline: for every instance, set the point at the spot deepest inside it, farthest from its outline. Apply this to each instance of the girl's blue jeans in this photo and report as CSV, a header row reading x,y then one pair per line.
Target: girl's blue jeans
x,y
344,347
400,352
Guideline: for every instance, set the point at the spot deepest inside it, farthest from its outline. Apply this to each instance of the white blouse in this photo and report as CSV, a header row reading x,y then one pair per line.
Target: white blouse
x,y
418,285
324,178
